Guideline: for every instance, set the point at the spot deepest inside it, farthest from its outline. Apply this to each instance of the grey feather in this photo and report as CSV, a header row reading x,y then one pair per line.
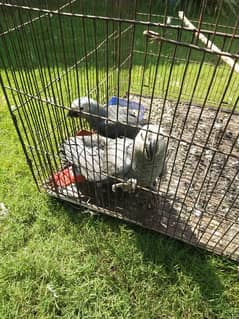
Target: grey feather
x,y
111,122
96,157
99,158
149,155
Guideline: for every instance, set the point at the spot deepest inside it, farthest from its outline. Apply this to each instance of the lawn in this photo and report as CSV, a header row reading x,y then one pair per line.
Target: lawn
x,y
57,261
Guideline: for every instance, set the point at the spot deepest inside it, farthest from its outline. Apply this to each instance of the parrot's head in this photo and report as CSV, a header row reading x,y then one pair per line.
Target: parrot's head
x,y
83,104
148,142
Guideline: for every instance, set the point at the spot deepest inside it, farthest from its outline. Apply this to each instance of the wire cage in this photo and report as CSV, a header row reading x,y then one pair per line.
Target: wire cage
x,y
176,61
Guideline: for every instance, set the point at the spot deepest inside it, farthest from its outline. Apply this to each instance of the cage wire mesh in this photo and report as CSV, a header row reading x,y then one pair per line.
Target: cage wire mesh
x,y
176,61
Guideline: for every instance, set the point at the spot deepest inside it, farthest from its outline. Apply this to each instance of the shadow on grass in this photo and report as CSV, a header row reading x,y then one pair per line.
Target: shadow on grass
x,y
181,259
185,266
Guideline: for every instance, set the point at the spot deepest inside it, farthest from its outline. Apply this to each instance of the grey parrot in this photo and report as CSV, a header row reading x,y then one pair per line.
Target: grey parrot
x,y
148,160
96,157
112,121
100,159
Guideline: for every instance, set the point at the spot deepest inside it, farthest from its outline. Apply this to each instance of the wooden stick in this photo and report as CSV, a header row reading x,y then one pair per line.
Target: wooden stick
x,y
208,43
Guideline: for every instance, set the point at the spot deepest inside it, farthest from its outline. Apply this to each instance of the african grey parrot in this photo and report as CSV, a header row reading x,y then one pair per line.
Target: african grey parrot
x,y
96,157
148,160
120,121
100,159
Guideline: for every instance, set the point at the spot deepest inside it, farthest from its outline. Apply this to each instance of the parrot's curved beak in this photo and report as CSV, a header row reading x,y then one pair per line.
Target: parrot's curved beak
x,y
73,113
151,148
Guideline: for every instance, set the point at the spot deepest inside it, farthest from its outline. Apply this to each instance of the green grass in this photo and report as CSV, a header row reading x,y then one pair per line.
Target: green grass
x,y
56,262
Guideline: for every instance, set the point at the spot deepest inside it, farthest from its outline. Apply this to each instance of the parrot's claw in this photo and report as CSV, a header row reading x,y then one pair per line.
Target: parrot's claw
x,y
129,186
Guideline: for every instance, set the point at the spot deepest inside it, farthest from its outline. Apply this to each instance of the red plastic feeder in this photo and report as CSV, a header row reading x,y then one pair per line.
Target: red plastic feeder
x,y
66,176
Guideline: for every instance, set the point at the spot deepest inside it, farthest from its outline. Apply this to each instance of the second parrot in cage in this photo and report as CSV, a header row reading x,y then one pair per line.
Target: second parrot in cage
x,y
101,159
148,160
112,121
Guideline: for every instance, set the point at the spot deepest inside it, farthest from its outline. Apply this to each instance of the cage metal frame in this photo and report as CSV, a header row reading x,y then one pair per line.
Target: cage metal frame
x,y
59,80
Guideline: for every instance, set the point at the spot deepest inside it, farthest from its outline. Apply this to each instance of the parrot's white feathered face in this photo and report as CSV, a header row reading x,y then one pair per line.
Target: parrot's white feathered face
x,y
82,104
147,141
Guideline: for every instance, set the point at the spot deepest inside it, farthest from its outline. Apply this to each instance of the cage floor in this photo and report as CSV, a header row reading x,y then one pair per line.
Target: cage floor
x,y
203,153
197,200
160,214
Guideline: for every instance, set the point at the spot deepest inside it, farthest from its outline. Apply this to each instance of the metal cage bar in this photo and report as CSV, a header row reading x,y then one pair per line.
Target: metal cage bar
x,y
179,68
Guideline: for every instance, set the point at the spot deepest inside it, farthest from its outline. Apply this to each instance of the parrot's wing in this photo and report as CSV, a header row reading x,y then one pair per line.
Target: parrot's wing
x,y
119,123
123,115
118,156
87,157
